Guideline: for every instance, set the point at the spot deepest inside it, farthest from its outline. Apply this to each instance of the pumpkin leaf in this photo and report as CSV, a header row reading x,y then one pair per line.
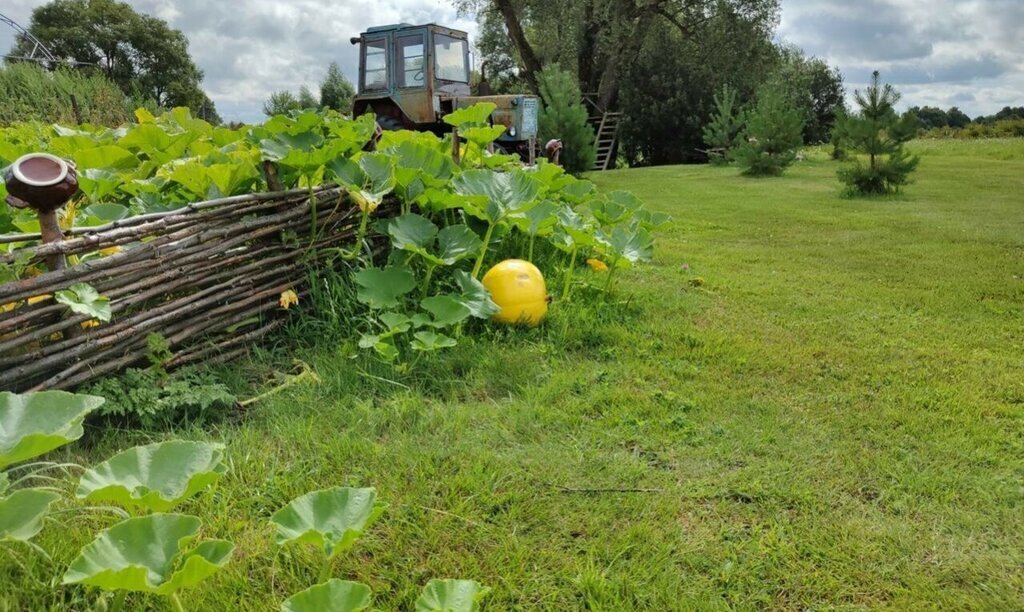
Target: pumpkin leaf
x,y
332,596
35,423
446,310
457,242
451,596
471,116
501,193
22,512
381,288
428,341
412,232
331,519
475,296
82,298
156,477
149,554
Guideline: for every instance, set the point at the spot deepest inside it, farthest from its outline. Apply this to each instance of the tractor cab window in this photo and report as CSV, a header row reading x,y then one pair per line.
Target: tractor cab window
x,y
450,56
411,61
375,64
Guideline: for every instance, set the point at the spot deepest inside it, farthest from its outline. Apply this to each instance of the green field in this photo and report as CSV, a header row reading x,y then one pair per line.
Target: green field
x,y
805,402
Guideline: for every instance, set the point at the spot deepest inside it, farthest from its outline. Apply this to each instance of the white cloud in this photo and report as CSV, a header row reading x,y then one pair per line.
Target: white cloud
x,y
937,52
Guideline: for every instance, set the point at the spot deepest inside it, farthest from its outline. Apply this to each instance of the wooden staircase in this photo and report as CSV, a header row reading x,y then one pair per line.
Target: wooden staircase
x,y
606,132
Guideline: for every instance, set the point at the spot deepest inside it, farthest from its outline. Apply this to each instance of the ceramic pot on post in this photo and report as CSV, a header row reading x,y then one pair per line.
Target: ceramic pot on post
x,y
44,183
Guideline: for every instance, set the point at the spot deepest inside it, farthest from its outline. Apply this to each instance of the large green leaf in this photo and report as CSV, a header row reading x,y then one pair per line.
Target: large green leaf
x,y
472,116
457,242
149,554
381,288
451,596
412,232
35,423
331,519
332,596
475,296
108,157
501,193
429,163
156,476
623,247
447,310
82,298
22,512
538,220
427,341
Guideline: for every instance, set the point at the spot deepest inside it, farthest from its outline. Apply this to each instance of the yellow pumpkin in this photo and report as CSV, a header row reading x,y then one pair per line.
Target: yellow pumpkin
x,y
517,287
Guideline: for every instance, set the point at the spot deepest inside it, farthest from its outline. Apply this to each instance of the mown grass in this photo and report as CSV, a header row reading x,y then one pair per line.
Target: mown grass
x,y
806,401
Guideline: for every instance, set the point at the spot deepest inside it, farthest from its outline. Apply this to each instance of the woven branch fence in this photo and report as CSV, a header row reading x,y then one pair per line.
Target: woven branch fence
x,y
207,278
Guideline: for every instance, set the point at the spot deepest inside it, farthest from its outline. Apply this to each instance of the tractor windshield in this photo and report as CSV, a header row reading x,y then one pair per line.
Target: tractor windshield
x,y
450,57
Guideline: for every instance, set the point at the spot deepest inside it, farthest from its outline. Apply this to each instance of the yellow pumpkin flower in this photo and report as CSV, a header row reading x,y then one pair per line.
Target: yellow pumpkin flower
x,y
35,299
288,298
597,265
110,250
89,323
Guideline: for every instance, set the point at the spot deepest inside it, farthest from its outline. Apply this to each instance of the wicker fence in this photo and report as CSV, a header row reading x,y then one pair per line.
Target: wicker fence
x,y
207,278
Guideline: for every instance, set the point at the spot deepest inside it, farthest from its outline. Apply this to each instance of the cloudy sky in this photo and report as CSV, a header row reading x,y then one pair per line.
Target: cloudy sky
x,y
966,53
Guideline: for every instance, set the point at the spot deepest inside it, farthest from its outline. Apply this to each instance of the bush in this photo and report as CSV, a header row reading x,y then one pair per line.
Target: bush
x,y
878,133
153,398
564,117
30,93
773,134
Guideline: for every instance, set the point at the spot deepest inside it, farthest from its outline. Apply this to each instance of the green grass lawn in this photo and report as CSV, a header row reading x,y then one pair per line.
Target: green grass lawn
x,y
805,401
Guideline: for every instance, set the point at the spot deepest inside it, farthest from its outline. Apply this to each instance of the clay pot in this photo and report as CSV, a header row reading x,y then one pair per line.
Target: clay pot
x,y
42,181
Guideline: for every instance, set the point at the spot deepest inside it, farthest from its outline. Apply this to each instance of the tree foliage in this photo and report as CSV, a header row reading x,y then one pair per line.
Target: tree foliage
x,y
564,117
139,53
772,136
813,88
723,132
336,92
877,132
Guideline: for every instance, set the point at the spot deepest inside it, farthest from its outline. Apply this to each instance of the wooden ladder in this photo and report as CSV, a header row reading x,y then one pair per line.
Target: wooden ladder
x,y
605,139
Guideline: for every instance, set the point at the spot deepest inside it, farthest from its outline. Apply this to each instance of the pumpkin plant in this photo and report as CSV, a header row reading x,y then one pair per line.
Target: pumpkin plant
x,y
22,513
451,596
330,519
149,554
493,197
35,423
155,477
332,596
418,235
367,181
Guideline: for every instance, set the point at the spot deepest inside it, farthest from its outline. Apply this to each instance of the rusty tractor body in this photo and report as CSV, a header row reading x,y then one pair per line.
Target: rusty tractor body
x,y
411,76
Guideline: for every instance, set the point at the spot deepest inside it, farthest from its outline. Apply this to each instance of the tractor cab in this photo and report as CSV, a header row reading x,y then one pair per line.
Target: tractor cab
x,y
411,76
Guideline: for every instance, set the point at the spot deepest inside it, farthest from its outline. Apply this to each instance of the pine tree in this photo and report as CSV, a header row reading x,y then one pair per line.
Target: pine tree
x,y
879,133
772,136
564,117
336,91
722,133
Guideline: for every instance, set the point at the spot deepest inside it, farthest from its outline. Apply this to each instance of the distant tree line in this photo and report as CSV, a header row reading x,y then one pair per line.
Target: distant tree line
x,y
929,117
336,92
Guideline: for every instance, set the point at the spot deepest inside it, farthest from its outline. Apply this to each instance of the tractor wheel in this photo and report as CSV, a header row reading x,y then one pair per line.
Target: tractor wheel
x,y
390,124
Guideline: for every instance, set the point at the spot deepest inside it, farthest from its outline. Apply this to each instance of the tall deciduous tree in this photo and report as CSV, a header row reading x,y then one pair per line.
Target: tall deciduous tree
x,y
140,53
813,88
878,133
598,39
336,91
